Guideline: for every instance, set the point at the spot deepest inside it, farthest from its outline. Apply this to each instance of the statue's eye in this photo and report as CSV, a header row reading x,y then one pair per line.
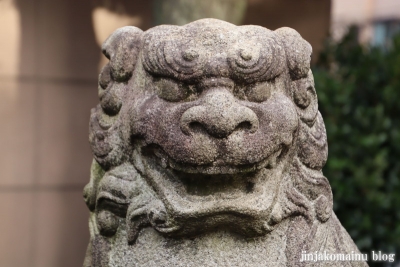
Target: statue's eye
x,y
260,92
170,90
119,208
109,211
107,223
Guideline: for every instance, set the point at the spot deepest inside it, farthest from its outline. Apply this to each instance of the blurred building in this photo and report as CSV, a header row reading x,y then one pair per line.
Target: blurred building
x,y
377,20
49,63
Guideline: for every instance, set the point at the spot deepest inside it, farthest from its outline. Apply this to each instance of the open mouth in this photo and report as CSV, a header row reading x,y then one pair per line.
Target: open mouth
x,y
216,180
218,166
239,197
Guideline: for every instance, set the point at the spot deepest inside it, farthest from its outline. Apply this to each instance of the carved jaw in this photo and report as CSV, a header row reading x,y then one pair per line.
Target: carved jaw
x,y
220,195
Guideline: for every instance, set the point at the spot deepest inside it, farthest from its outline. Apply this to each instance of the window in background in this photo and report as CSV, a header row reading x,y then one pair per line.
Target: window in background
x,y
384,31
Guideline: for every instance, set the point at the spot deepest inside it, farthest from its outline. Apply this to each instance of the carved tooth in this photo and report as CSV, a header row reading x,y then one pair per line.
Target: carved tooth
x,y
163,158
164,163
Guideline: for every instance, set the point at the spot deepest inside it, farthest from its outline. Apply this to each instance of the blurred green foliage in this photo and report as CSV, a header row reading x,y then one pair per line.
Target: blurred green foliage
x,y
359,98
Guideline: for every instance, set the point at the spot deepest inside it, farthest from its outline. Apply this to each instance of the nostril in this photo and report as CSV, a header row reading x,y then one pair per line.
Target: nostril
x,y
244,126
218,122
218,130
209,128
196,127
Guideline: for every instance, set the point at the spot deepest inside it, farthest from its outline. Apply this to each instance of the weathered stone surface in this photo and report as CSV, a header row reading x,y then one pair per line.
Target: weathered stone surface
x,y
208,149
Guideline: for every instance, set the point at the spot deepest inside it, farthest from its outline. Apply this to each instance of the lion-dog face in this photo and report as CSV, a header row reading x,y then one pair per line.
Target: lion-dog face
x,y
199,127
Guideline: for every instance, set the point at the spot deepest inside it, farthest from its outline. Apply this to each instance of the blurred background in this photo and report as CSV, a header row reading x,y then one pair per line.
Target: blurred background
x,y
49,61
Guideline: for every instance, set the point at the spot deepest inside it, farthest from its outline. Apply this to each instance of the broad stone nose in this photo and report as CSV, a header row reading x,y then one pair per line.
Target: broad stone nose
x,y
219,114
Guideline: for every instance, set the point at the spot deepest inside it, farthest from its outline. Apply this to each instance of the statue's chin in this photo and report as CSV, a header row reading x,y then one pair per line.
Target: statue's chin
x,y
215,195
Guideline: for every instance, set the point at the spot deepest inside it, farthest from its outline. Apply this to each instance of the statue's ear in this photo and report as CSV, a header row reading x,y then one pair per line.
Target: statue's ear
x,y
298,57
298,52
122,48
305,98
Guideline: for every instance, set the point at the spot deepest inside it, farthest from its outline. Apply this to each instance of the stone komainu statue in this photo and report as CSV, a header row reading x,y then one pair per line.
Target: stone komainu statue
x,y
208,148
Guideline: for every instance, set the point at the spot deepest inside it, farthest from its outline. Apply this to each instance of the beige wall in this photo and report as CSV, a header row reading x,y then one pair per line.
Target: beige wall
x,y
362,13
49,61
311,18
48,70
